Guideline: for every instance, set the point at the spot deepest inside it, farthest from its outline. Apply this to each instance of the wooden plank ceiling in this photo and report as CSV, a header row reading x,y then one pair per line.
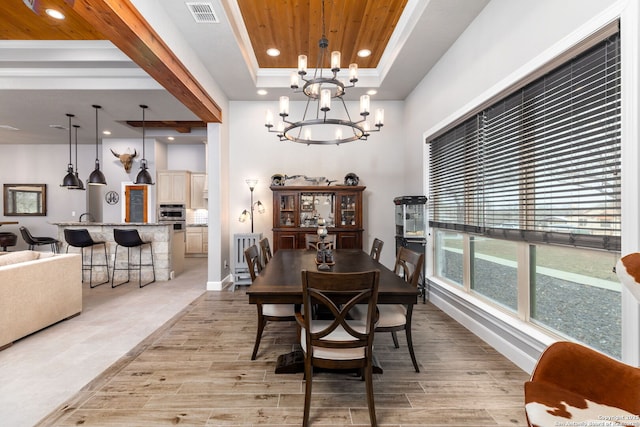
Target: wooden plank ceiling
x,y
295,27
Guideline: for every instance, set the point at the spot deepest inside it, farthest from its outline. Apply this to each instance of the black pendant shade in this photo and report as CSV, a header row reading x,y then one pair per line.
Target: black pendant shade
x,y
70,180
80,184
144,177
97,177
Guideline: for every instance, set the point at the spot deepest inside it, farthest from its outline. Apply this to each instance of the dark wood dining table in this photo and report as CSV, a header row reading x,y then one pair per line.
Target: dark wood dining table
x,y
281,282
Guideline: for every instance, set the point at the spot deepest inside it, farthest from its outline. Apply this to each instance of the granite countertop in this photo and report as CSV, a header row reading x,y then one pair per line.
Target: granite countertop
x,y
197,225
118,224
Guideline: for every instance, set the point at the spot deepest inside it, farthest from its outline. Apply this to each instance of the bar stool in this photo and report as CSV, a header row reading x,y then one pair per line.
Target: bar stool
x,y
34,241
80,238
7,239
129,238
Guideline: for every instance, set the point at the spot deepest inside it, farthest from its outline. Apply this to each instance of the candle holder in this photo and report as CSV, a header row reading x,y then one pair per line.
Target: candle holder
x,y
324,255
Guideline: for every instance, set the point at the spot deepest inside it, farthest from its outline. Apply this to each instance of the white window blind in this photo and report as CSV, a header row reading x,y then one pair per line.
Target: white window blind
x,y
543,163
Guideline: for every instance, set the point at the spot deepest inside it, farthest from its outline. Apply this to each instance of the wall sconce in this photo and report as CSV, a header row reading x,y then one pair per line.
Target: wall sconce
x,y
248,214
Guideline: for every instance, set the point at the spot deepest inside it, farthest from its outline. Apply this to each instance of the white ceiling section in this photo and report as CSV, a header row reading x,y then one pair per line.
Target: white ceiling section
x,y
41,81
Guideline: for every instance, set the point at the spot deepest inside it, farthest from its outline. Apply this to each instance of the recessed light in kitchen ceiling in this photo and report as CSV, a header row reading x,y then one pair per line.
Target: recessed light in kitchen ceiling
x,y
7,127
273,52
363,53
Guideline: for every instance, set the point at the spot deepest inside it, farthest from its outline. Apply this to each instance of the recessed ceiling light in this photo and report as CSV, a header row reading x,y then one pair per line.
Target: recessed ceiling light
x,y
262,92
7,127
273,52
106,132
372,92
170,138
363,53
55,14
61,127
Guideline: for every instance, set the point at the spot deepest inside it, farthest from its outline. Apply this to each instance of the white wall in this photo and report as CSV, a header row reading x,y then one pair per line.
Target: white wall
x,y
44,164
378,162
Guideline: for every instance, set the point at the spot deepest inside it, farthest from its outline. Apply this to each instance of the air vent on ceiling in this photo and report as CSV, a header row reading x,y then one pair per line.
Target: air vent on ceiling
x,y
203,12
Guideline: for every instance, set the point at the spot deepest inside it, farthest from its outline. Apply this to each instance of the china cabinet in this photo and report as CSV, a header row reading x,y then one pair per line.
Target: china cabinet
x,y
296,210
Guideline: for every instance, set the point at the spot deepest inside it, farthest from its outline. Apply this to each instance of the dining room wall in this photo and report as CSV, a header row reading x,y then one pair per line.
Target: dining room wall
x,y
378,162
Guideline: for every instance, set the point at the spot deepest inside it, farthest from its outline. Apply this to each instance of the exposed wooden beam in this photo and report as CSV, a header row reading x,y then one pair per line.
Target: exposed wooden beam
x,y
180,126
126,28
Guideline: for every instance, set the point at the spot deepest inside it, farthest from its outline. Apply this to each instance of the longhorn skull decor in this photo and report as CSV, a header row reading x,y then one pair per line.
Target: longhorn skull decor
x,y
126,159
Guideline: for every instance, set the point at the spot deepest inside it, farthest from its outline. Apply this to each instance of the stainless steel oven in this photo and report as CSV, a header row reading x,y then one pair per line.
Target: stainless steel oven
x,y
175,214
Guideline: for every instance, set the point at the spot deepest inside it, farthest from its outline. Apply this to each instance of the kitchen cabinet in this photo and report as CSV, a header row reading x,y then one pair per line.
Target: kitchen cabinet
x,y
197,240
198,181
296,210
173,187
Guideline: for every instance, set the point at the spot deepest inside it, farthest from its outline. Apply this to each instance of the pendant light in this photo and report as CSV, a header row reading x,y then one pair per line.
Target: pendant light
x,y
144,177
97,177
80,184
70,180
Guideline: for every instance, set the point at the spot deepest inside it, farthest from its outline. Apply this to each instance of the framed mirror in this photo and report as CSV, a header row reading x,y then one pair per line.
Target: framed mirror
x,y
25,199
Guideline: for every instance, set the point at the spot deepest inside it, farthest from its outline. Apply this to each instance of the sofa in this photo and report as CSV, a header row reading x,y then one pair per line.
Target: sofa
x,y
573,385
37,289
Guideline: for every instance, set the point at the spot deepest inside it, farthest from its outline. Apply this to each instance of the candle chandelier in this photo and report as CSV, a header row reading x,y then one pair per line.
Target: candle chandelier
x,y
316,126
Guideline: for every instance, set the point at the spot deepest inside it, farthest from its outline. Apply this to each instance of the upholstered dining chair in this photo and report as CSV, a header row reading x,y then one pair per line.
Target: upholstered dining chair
x,y
376,249
266,312
339,342
311,241
265,249
397,317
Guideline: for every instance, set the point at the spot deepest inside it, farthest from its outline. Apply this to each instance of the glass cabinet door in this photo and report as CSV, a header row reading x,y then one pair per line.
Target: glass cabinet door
x,y
348,209
288,210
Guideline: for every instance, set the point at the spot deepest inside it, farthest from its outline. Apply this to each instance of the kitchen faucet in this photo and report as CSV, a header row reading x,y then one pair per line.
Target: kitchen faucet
x,y
88,215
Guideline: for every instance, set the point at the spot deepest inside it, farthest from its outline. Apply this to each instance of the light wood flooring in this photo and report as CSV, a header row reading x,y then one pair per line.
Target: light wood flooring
x,y
196,370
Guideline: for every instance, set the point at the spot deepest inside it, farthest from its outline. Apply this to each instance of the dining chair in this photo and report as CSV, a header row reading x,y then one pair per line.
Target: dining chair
x,y
265,249
311,241
397,317
266,312
376,249
339,342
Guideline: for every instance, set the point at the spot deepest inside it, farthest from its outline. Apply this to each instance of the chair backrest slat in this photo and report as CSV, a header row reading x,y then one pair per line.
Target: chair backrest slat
x,y
252,255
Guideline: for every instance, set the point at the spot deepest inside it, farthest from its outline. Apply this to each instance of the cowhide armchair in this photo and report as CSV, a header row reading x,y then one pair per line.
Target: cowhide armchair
x,y
575,385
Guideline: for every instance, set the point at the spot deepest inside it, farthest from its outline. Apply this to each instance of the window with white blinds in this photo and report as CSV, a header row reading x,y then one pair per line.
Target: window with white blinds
x,y
541,164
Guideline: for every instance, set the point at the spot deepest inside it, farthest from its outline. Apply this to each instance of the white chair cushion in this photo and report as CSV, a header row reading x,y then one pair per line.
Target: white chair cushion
x,y
278,310
390,314
338,335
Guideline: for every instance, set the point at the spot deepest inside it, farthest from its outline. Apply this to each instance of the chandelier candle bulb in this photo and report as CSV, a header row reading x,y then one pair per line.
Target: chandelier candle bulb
x,y
284,106
353,73
307,134
339,133
302,64
364,105
325,100
379,117
335,61
294,80
268,121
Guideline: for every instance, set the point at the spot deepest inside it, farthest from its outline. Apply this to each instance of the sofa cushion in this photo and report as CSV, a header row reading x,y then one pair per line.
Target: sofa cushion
x,y
549,405
20,256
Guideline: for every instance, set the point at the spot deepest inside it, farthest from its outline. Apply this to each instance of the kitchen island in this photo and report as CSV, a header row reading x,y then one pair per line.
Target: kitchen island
x,y
166,241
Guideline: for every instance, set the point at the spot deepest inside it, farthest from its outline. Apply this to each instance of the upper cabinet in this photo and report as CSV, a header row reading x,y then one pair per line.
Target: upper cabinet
x,y
296,211
198,181
174,187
